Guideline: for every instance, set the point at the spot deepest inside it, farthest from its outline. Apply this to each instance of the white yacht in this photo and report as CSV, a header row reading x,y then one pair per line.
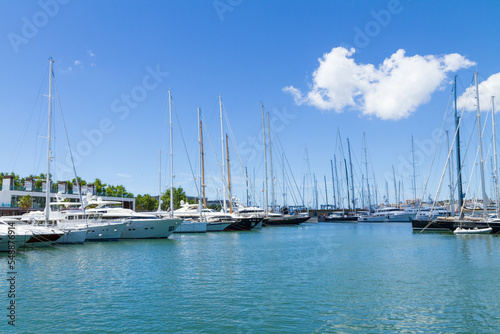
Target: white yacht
x,y
138,225
32,235
73,234
269,218
210,221
431,213
77,226
10,241
387,214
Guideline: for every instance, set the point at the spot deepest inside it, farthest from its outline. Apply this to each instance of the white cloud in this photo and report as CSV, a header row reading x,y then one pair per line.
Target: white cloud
x,y
124,175
488,88
77,62
91,53
392,90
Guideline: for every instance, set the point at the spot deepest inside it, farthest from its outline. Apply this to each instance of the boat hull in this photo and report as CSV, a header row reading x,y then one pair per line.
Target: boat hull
x,y
43,239
404,218
191,227
434,225
243,224
284,221
73,236
464,231
341,219
150,228
9,243
494,225
105,231
380,219
217,226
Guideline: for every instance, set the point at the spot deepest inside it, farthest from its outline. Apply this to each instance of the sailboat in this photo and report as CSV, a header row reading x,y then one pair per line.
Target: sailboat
x,y
269,218
10,241
184,226
71,223
44,231
238,222
482,226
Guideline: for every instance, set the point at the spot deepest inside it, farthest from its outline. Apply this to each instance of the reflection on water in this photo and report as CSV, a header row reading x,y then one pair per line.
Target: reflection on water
x,y
318,278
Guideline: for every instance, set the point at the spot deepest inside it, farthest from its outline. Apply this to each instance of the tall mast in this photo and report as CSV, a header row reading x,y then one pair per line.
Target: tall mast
x,y
339,196
303,191
202,163
159,184
395,187
352,178
47,179
481,165
271,163
171,156
495,174
326,192
246,183
228,176
254,188
333,185
414,181
284,181
452,209
222,147
457,142
366,168
362,190
307,179
347,180
315,191
387,191
399,193
200,182
265,156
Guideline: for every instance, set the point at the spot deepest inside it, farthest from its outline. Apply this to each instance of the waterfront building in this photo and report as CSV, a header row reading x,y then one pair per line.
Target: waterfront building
x,y
11,194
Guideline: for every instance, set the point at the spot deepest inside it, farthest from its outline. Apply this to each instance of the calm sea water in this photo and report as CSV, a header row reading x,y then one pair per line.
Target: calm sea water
x,y
317,278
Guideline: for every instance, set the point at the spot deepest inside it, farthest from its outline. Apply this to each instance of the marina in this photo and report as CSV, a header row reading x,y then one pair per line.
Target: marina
x,y
233,166
366,277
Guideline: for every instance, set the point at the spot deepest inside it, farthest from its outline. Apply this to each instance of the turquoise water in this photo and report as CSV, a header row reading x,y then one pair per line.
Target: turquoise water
x,y
317,278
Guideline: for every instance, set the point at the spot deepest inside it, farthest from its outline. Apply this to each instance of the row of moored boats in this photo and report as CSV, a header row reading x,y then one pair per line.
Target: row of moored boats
x,y
100,220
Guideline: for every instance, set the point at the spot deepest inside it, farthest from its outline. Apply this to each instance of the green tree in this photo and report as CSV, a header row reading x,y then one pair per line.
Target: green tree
x,y
40,179
146,203
216,207
117,191
99,186
18,182
81,181
25,202
179,195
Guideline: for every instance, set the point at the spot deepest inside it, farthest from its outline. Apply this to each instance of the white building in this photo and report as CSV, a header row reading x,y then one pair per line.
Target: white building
x,y
10,195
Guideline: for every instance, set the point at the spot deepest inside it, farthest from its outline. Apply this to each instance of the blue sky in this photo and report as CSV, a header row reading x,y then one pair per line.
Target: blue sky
x,y
280,53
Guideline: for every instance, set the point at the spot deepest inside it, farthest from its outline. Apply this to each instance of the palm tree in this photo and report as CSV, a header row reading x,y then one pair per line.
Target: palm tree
x,y
25,202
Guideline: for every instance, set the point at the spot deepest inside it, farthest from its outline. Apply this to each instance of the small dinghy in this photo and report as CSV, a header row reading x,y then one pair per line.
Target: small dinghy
x,y
475,230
